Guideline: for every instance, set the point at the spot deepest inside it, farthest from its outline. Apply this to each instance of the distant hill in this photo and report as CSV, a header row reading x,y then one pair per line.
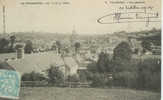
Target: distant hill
x,y
39,36
154,34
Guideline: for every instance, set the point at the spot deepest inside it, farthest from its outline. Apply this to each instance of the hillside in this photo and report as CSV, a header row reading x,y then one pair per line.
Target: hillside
x,y
53,93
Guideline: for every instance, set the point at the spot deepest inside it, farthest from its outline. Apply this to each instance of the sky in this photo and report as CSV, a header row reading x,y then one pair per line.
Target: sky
x,y
80,15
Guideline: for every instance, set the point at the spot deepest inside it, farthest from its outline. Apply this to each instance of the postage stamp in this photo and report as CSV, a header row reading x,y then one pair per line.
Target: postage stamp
x,y
9,84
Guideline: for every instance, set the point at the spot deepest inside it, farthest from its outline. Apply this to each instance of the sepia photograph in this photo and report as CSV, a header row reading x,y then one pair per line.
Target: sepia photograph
x,y
80,49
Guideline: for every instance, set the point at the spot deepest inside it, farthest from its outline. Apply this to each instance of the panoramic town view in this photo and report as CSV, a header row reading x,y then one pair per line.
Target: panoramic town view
x,y
118,66
67,50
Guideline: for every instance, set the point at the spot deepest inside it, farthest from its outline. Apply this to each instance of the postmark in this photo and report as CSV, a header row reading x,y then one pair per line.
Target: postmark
x,y
9,84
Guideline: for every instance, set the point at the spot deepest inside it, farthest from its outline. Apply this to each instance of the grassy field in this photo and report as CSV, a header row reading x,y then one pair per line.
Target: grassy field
x,y
53,93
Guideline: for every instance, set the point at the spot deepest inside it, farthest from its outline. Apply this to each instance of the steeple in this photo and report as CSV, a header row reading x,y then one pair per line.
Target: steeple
x,y
73,35
74,31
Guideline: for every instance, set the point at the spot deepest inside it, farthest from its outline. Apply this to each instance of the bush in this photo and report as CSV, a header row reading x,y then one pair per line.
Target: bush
x,y
92,67
73,78
55,75
102,62
125,79
33,76
98,80
149,74
83,76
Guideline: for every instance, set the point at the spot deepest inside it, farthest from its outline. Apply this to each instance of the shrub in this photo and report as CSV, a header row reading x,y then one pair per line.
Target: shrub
x,y
103,63
92,67
33,76
125,79
55,75
83,76
73,78
149,74
98,80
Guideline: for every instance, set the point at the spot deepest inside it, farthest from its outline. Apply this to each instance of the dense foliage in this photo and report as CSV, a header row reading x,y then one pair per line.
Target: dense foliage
x,y
122,52
55,75
33,76
73,78
77,46
126,71
28,47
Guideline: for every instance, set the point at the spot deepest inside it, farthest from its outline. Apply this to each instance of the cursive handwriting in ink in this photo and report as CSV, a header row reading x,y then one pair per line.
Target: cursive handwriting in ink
x,y
129,17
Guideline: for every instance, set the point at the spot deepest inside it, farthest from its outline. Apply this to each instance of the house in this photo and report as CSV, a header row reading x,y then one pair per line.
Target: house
x,y
136,45
156,50
40,62
6,66
71,66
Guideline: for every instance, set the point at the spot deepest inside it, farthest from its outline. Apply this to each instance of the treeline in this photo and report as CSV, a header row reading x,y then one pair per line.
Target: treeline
x,y
126,71
8,45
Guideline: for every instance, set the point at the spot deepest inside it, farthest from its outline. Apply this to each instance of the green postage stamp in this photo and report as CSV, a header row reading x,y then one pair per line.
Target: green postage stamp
x,y
9,84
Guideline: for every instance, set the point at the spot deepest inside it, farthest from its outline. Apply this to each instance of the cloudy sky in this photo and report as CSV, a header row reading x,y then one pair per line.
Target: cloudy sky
x,y
79,14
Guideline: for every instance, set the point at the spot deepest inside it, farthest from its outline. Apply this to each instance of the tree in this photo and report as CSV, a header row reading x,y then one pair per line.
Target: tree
x,y
55,75
12,40
122,57
103,63
122,52
58,43
77,46
98,80
29,47
4,45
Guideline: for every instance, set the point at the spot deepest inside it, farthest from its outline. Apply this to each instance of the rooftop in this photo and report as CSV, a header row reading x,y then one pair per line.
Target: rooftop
x,y
37,62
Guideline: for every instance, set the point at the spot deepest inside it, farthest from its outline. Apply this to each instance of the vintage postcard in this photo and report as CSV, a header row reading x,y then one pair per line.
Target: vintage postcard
x,y
80,49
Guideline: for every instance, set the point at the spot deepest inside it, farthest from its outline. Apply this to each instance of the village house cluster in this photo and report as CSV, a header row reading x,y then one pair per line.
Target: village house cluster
x,y
72,54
